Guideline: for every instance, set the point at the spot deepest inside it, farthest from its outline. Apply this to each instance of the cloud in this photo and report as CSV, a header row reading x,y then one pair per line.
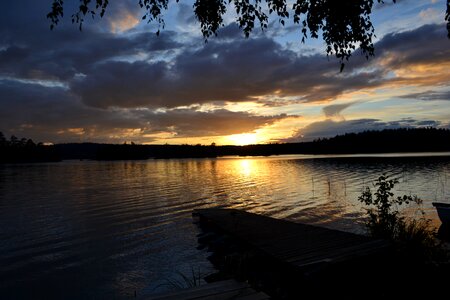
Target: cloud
x,y
330,128
223,70
334,110
425,45
185,15
54,114
432,15
123,15
33,58
29,49
219,71
192,122
124,22
428,123
235,69
138,69
429,96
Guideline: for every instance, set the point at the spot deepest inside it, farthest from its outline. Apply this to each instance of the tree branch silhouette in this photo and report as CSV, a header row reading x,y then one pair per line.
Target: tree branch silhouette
x,y
344,25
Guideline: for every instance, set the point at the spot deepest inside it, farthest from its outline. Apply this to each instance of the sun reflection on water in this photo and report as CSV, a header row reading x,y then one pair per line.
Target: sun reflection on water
x,y
246,167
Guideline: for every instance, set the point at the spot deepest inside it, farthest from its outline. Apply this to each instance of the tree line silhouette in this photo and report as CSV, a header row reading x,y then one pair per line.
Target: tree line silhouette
x,y
385,141
408,140
23,150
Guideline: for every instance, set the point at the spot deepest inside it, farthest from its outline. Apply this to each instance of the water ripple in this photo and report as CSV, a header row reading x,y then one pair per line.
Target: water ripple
x,y
106,229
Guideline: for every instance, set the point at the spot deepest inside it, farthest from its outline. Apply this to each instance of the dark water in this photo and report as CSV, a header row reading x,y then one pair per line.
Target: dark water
x,y
105,230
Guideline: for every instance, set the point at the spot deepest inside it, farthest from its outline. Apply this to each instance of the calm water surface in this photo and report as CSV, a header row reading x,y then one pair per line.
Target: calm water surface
x,y
102,230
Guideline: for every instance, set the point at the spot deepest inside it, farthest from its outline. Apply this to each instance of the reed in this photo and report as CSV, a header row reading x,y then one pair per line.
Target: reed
x,y
183,281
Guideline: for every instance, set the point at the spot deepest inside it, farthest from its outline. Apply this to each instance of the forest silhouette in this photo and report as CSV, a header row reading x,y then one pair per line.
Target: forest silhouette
x,y
24,150
404,140
385,141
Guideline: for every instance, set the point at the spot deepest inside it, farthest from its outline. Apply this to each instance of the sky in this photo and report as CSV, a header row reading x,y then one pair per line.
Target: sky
x,y
116,81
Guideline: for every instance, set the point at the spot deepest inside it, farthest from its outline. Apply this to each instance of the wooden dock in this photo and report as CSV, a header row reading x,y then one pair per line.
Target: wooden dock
x,y
286,259
295,243
228,289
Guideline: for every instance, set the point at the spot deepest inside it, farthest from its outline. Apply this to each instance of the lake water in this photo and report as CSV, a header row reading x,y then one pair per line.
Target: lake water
x,y
103,230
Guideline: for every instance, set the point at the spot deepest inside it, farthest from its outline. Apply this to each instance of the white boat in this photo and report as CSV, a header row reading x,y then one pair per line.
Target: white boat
x,y
443,210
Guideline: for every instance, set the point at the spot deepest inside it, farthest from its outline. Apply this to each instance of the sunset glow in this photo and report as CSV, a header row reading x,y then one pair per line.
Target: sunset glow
x,y
243,139
116,81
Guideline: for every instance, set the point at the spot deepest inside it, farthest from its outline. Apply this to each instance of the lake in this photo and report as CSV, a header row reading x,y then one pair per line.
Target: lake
x,y
102,230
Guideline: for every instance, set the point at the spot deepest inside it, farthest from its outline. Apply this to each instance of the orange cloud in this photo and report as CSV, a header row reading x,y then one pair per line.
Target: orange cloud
x,y
124,22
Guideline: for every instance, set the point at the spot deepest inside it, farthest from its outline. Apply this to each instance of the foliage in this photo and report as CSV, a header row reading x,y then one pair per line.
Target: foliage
x,y
25,150
383,220
415,238
344,25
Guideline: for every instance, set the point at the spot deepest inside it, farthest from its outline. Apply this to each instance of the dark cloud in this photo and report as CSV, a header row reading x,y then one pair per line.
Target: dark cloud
x,y
226,69
216,72
429,96
174,73
236,69
222,70
29,49
57,58
428,123
425,45
138,84
54,114
334,110
330,128
191,122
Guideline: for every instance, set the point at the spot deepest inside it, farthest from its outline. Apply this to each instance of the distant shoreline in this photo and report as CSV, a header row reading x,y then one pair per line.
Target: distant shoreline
x,y
385,143
340,157
419,140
